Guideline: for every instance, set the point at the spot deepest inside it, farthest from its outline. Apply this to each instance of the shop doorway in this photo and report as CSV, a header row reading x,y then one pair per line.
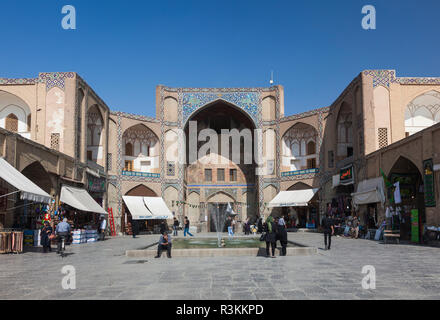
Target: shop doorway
x,y
410,181
143,226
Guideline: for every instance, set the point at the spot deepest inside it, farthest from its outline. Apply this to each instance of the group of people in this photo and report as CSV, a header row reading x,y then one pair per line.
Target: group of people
x,y
274,229
62,231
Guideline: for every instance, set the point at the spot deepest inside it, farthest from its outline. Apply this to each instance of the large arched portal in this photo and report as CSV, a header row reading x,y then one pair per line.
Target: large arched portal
x,y
410,181
220,157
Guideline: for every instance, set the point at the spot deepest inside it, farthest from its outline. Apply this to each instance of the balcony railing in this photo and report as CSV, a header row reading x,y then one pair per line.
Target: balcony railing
x,y
140,174
298,172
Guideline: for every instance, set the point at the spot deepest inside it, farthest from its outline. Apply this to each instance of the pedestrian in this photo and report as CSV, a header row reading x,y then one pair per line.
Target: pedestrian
x,y
329,230
134,228
355,226
175,226
186,229
247,227
260,225
164,244
231,227
46,232
270,228
163,227
282,236
62,231
102,227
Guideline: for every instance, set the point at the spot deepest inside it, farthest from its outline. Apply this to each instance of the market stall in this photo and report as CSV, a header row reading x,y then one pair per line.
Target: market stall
x,y
147,209
300,200
82,212
32,203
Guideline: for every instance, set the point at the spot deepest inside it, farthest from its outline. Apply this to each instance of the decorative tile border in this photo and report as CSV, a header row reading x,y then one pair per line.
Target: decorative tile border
x,y
55,79
134,116
19,81
140,174
299,172
193,101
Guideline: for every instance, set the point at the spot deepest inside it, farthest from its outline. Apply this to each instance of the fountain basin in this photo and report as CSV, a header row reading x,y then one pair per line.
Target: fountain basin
x,y
207,247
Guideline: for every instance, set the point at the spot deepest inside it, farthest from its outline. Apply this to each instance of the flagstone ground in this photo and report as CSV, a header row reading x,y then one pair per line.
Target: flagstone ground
x,y
104,272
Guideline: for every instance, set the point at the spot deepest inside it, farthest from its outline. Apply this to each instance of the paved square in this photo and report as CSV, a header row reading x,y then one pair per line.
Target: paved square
x,y
104,272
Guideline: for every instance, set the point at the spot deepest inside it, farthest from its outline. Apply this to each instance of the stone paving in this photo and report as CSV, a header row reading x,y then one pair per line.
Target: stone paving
x,y
104,272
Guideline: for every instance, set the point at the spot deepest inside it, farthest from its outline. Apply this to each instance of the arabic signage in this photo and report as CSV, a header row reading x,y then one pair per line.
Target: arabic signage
x,y
415,225
346,175
428,175
96,184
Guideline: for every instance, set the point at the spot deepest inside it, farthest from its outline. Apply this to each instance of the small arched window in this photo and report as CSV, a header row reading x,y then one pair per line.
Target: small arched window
x,y
129,149
311,148
11,123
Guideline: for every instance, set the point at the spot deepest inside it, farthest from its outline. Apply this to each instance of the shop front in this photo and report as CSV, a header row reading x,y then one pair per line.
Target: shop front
x,y
147,211
31,205
300,205
369,195
82,212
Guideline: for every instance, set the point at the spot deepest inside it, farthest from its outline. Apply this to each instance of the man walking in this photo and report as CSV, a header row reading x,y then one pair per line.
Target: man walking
x,y
186,230
175,226
62,231
282,235
329,230
102,227
164,244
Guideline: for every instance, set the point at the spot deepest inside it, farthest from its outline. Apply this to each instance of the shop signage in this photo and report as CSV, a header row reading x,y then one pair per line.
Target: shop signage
x,y
415,225
346,175
428,174
96,184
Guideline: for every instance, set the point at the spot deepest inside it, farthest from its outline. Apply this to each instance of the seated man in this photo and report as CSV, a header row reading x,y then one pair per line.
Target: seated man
x,y
164,244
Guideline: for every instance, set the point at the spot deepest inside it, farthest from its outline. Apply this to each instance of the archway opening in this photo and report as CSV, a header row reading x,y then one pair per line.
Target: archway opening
x,y
220,155
410,181
141,226
299,148
27,212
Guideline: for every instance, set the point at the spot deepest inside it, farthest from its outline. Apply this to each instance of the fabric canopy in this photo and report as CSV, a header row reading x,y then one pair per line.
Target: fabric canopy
x,y
80,199
158,207
147,208
369,191
297,198
28,189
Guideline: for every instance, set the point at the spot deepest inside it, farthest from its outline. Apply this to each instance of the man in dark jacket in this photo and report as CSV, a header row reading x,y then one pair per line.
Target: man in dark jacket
x,y
134,228
282,235
329,230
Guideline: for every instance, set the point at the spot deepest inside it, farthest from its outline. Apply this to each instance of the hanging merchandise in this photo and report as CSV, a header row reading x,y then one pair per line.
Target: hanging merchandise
x,y
397,197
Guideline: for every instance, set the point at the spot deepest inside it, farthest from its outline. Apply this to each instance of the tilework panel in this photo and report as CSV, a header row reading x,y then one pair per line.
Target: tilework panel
x,y
55,79
19,81
247,101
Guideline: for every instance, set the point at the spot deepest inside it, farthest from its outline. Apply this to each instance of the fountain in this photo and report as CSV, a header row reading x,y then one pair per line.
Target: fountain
x,y
219,246
219,222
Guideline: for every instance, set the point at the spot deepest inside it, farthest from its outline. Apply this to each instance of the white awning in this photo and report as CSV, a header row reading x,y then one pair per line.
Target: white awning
x,y
158,207
80,199
147,208
297,198
369,191
28,189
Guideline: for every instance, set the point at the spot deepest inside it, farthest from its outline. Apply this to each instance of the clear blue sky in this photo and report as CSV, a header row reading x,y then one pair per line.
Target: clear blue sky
x,y
123,49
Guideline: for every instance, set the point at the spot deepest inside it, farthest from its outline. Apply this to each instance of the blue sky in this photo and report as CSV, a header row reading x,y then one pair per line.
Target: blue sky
x,y
123,49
